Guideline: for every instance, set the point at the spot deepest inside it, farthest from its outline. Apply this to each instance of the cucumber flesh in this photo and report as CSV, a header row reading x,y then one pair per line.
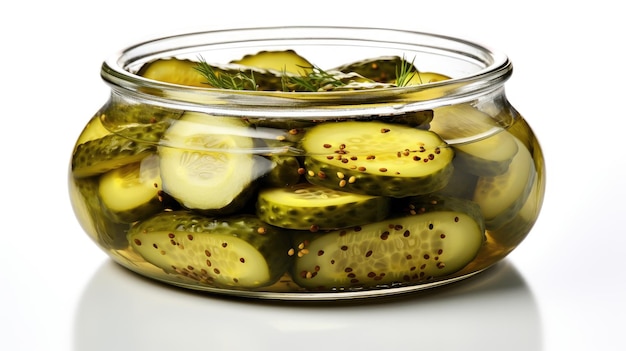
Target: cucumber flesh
x,y
174,71
377,158
313,207
184,72
206,164
93,130
235,252
287,61
426,77
462,123
500,197
406,250
132,192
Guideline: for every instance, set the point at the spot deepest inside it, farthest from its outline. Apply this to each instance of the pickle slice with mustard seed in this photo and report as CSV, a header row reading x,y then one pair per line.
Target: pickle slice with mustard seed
x,y
376,158
313,207
235,252
429,242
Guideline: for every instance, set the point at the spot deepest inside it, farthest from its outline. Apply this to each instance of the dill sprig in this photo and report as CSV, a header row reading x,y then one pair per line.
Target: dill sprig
x,y
317,79
225,80
405,72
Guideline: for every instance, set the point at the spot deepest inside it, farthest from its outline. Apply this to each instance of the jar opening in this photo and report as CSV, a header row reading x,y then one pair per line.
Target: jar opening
x,y
473,69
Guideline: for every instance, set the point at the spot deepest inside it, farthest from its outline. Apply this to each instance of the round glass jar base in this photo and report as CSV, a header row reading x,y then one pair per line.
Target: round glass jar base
x,y
339,295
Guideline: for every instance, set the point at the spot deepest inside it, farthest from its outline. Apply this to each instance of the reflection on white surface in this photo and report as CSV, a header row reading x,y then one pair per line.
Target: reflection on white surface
x,y
494,310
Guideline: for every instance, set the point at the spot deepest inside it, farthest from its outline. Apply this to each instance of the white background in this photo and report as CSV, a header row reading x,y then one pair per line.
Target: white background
x,y
564,288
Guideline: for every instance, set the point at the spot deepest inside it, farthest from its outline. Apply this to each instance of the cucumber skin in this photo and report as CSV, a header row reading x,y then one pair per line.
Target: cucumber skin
x,y
114,150
322,217
372,184
379,69
121,115
272,243
139,213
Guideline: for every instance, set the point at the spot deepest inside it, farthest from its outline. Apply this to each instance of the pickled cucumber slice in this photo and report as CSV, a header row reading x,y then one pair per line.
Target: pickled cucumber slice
x,y
379,69
235,252
287,61
461,184
462,123
114,150
487,157
385,69
376,158
206,162
94,217
406,250
132,192
93,130
439,202
119,115
313,207
284,173
173,71
510,234
426,77
500,197
185,72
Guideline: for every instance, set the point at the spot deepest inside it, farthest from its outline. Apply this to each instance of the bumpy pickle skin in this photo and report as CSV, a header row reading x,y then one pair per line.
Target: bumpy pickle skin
x,y
377,158
426,244
238,252
311,207
380,69
115,150
385,69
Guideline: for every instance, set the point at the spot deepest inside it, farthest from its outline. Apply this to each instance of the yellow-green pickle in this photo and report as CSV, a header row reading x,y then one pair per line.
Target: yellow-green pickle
x,y
331,163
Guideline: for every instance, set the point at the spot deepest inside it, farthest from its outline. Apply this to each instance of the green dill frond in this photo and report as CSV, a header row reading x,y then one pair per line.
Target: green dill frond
x,y
225,80
314,81
406,72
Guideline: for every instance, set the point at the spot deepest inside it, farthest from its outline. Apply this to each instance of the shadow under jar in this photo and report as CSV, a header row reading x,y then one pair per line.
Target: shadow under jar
x,y
307,163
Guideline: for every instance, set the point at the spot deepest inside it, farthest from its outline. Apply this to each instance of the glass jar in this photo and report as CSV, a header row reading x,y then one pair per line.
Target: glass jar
x,y
364,188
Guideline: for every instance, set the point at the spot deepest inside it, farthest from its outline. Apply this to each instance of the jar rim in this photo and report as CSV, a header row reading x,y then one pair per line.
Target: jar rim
x,y
491,70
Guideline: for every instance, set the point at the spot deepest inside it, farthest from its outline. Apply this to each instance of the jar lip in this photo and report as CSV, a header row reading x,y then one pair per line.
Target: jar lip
x,y
493,68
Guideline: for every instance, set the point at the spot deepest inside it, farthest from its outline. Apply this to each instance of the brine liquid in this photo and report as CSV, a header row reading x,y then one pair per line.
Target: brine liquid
x,y
507,223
